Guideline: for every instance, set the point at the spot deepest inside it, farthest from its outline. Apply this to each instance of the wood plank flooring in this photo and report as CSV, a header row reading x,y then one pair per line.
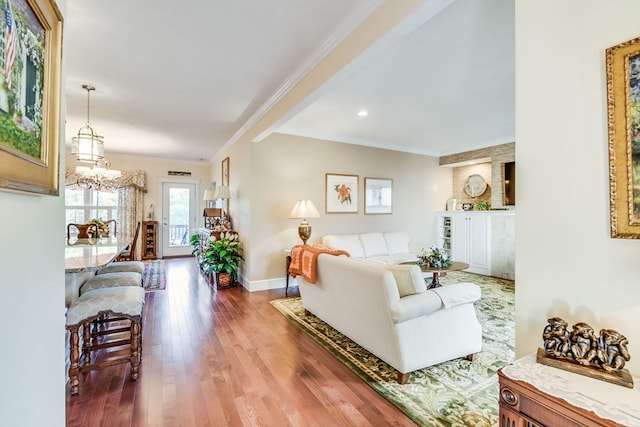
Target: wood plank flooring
x,y
225,358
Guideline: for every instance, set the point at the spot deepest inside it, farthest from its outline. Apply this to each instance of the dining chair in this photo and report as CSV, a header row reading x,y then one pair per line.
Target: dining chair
x,y
129,253
83,230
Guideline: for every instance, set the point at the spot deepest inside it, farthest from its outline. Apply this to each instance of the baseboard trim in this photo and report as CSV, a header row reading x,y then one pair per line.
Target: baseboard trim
x,y
265,285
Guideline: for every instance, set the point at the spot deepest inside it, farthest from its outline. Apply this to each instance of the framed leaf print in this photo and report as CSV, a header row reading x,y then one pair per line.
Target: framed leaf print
x,y
341,193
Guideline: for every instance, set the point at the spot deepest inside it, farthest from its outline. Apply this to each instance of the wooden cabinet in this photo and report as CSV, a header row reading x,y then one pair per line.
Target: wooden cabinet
x,y
523,405
149,240
467,237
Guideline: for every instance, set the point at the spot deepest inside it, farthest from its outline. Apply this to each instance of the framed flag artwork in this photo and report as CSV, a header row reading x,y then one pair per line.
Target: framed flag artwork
x,y
30,96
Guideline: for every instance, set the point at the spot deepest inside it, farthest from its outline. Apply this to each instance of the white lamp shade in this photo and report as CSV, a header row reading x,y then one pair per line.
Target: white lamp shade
x,y
208,195
87,146
222,192
304,209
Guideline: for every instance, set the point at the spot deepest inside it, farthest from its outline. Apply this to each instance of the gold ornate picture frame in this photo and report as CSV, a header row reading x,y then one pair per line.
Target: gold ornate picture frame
x,y
225,171
30,96
623,113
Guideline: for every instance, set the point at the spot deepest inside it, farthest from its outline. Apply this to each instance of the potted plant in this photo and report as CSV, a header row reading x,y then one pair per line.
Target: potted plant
x,y
222,256
194,240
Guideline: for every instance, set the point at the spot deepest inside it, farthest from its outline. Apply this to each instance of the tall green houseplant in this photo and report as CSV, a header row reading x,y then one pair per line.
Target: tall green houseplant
x,y
222,256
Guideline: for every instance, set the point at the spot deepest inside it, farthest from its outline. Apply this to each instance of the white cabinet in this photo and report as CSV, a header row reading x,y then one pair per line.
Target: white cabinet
x,y
467,235
444,233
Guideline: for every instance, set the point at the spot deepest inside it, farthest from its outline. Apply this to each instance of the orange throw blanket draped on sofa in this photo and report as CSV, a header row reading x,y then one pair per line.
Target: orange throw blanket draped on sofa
x,y
304,259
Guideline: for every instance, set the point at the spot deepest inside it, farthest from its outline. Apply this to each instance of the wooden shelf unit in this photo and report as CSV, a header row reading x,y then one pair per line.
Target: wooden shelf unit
x,y
150,240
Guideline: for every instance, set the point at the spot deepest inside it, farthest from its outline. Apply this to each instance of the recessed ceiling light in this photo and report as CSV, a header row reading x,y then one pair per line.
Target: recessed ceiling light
x,y
363,113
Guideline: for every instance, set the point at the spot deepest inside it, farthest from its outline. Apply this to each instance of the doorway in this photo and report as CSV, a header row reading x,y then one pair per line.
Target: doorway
x,y
178,216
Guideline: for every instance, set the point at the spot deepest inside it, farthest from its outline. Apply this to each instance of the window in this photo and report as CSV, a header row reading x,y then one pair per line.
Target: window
x,y
84,204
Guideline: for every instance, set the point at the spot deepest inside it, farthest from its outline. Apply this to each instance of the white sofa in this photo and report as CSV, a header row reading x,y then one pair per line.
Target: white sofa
x,y
383,248
388,311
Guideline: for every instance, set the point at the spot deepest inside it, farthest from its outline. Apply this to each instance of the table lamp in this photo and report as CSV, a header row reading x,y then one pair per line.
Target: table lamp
x,y
222,192
302,210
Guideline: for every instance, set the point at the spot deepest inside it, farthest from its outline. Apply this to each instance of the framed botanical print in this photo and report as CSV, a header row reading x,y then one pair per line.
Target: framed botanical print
x,y
341,193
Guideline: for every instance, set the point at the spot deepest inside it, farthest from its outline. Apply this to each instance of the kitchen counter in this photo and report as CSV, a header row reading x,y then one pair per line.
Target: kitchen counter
x,y
82,257
91,254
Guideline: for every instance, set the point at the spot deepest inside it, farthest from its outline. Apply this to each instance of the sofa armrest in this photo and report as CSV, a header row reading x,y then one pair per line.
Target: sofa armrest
x,y
414,306
447,296
458,293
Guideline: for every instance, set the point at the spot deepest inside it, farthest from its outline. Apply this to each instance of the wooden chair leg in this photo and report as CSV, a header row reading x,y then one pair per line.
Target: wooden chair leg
x,y
74,342
403,377
135,348
86,343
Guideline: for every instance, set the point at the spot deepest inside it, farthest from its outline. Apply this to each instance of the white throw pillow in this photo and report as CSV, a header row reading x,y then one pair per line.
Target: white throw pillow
x,y
408,279
348,242
374,244
397,243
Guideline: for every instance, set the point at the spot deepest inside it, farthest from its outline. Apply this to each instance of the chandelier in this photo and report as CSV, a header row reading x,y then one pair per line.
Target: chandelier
x,y
88,146
98,177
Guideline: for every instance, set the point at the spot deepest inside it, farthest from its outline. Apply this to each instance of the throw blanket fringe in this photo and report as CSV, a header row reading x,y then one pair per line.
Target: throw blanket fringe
x,y
304,259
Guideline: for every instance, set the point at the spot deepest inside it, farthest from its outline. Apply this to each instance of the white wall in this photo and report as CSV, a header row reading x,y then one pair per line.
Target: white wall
x,y
32,304
155,169
287,168
566,263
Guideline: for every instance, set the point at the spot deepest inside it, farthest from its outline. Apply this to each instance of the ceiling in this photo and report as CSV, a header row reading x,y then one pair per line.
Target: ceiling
x,y
183,80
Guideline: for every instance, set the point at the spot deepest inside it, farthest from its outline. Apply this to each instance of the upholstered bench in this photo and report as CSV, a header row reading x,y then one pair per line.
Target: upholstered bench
x,y
110,280
122,267
126,304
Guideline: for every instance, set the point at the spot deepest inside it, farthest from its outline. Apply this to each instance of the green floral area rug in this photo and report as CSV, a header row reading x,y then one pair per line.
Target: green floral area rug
x,y
454,393
153,277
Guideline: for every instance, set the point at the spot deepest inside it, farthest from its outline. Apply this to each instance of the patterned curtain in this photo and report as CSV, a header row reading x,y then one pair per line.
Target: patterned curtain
x,y
130,203
131,188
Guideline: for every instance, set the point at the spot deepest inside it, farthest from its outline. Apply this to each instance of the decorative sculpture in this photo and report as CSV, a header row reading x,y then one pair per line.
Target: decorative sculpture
x,y
582,352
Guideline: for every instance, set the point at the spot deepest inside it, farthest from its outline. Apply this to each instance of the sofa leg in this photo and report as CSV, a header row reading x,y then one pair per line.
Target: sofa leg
x,y
307,312
471,357
403,377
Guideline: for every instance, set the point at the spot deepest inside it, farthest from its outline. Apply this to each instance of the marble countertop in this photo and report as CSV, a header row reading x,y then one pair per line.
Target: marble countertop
x,y
91,254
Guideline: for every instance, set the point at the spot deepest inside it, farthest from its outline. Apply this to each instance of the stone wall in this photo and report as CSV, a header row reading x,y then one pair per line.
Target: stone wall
x,y
491,167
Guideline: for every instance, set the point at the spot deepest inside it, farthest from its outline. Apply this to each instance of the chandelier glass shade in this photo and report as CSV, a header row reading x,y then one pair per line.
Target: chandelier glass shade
x,y
99,177
88,146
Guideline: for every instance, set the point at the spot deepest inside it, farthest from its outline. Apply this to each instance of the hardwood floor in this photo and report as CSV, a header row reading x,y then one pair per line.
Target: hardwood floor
x,y
225,358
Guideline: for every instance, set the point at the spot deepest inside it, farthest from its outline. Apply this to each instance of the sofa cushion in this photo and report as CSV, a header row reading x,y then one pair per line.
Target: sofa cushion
x,y
393,259
458,293
408,279
348,242
373,244
397,243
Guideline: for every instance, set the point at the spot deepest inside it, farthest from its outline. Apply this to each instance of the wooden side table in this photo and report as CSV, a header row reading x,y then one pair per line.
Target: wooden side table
x,y
287,254
435,281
